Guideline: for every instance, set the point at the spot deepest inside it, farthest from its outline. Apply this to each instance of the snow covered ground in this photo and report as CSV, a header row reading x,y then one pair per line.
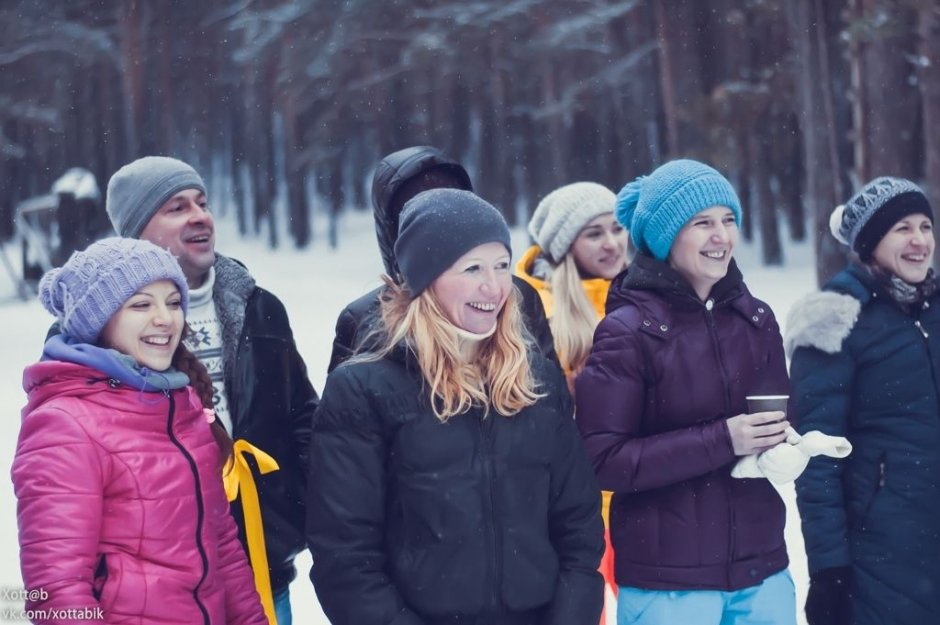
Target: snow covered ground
x,y
315,285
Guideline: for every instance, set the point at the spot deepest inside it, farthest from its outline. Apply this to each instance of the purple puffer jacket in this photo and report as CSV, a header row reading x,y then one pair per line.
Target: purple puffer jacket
x,y
121,506
665,373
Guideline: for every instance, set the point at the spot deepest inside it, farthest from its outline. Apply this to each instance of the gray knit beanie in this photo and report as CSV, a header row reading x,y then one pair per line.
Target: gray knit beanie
x,y
564,212
864,220
137,190
93,284
439,226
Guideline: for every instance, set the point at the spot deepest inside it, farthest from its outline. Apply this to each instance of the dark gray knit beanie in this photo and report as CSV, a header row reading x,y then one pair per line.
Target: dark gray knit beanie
x,y
864,220
439,226
138,190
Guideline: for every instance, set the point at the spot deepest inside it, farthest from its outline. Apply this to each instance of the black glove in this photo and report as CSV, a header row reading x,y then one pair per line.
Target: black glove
x,y
829,601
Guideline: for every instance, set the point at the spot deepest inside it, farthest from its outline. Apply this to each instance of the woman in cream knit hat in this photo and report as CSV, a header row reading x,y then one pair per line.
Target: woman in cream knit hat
x,y
579,248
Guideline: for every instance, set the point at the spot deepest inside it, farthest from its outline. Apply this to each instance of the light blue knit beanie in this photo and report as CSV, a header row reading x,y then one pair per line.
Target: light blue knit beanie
x,y
85,292
654,208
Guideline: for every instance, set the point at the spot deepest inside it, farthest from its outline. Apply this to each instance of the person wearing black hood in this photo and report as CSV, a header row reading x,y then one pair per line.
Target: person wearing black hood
x,y
399,177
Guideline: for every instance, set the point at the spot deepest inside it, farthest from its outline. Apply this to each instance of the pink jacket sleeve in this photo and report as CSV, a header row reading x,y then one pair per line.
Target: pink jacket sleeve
x,y
58,477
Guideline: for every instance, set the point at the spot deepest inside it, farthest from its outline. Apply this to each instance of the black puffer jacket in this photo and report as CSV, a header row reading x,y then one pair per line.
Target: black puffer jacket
x,y
271,402
391,173
489,521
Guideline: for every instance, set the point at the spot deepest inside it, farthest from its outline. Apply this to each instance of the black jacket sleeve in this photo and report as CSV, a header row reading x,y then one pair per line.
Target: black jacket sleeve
x,y
822,400
302,396
343,339
346,510
352,325
533,312
304,402
575,525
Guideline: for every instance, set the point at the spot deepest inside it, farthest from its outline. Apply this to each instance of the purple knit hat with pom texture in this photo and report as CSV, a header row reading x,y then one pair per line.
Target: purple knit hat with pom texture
x,y
93,284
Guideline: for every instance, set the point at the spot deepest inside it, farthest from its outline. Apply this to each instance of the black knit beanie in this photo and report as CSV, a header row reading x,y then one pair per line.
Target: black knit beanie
x,y
867,217
439,226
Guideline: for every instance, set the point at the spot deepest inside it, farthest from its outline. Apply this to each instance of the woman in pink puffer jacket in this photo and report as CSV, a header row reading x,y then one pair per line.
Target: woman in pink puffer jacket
x,y
121,509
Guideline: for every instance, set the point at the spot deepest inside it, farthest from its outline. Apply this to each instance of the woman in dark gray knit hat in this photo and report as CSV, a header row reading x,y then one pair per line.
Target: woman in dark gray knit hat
x,y
447,480
866,365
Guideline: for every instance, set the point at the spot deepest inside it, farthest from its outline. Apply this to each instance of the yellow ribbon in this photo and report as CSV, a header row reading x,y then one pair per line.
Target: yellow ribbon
x,y
239,477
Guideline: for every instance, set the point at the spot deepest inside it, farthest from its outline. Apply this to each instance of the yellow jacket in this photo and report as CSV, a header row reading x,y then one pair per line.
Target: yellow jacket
x,y
596,290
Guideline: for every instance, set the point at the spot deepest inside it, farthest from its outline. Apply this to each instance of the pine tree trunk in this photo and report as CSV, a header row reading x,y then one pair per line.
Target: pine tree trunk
x,y
929,81
821,157
886,102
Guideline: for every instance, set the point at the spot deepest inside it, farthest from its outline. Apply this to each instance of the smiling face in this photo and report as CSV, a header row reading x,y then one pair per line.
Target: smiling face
x,y
148,326
600,250
907,248
183,225
702,250
474,289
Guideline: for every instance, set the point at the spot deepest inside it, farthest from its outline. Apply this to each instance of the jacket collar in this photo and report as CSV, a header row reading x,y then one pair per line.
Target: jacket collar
x,y
646,273
595,289
233,287
113,364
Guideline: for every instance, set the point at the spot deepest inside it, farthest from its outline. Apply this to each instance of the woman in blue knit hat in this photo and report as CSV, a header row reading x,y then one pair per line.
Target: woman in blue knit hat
x,y
662,412
117,473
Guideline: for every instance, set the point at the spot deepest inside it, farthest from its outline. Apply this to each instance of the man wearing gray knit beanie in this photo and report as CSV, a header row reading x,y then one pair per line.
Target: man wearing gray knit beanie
x,y
242,334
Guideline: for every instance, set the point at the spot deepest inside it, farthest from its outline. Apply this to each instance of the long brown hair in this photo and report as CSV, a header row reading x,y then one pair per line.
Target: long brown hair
x,y
499,376
185,361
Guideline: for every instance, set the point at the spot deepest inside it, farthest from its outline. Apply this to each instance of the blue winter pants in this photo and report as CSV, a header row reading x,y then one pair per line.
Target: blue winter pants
x,y
772,602
282,611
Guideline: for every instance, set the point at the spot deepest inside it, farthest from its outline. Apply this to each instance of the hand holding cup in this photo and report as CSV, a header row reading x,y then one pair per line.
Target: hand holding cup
x,y
763,427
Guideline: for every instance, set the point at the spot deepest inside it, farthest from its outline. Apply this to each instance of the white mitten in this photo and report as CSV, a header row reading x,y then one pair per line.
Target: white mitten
x,y
785,462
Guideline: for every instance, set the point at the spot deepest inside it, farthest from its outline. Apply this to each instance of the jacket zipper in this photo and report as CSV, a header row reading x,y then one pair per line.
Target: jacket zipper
x,y
200,510
713,332
926,335
491,479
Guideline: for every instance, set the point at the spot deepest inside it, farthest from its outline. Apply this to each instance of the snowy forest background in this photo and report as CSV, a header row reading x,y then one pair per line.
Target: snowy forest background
x,y
285,106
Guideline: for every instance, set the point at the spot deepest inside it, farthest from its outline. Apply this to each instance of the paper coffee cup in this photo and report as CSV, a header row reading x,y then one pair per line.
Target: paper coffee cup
x,y
766,403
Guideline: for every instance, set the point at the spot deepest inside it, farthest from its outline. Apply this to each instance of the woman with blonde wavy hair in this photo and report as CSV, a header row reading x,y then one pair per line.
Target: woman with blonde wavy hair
x,y
447,482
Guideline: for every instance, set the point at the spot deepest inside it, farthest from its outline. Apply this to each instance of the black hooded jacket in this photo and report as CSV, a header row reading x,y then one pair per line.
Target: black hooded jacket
x,y
391,174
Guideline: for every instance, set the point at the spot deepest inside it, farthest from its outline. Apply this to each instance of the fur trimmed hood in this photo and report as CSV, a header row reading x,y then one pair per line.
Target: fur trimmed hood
x,y
822,320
